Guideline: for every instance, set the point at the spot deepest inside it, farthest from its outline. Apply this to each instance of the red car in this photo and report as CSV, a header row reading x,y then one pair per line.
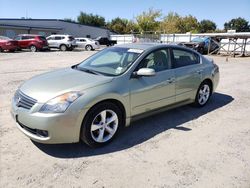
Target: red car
x,y
32,42
7,44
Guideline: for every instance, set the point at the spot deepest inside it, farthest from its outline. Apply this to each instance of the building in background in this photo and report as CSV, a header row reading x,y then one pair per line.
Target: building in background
x,y
46,27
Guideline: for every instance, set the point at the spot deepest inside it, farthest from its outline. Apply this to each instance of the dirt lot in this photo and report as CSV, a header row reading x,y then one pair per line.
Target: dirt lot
x,y
185,147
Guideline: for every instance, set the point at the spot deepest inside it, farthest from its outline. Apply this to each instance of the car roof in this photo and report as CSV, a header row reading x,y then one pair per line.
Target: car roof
x,y
153,46
29,35
82,38
58,35
144,46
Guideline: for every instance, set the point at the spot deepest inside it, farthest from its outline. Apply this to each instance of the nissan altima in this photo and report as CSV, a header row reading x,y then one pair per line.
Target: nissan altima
x,y
93,100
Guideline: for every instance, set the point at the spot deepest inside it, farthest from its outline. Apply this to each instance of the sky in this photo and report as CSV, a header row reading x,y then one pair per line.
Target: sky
x,y
219,11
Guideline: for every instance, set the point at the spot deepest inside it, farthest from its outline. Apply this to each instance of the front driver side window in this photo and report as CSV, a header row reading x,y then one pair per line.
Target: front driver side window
x,y
157,60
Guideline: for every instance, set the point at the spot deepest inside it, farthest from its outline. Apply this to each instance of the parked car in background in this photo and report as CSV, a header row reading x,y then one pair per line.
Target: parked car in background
x,y
8,44
201,44
62,42
105,41
87,43
32,42
94,99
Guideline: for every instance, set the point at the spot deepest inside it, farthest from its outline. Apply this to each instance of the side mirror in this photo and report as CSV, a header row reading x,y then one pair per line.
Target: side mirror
x,y
145,72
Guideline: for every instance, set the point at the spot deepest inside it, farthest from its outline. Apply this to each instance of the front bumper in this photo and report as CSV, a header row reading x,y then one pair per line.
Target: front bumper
x,y
60,127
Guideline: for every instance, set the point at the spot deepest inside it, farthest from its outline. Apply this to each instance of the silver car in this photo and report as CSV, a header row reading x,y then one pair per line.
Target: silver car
x,y
62,42
87,43
92,100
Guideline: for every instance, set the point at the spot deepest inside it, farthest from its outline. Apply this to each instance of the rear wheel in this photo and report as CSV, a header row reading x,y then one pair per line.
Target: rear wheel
x,y
1,50
88,47
203,94
63,47
101,124
33,48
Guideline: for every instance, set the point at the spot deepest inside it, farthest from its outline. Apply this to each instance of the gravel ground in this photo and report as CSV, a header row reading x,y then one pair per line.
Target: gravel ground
x,y
184,147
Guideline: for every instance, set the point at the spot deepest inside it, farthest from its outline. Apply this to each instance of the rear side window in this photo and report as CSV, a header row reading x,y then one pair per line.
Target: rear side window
x,y
25,37
58,38
184,58
71,38
42,38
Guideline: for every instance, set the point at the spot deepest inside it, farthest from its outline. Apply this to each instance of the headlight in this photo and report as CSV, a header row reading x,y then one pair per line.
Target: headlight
x,y
60,103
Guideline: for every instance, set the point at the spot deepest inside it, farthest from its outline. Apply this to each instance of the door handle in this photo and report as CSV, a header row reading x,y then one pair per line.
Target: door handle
x,y
170,80
199,71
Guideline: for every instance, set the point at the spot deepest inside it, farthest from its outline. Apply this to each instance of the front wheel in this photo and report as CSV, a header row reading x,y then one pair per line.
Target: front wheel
x,y
203,94
101,124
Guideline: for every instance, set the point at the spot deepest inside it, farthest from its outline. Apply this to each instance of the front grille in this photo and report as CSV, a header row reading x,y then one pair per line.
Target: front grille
x,y
24,101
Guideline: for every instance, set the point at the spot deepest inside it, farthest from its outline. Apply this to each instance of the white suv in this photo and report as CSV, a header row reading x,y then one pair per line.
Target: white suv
x,y
62,42
87,43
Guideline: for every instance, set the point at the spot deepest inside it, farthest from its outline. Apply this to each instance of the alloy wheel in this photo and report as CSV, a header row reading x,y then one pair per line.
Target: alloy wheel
x,y
204,94
104,126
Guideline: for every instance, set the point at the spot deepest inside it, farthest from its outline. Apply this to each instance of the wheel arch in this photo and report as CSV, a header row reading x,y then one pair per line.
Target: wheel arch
x,y
63,45
209,81
118,103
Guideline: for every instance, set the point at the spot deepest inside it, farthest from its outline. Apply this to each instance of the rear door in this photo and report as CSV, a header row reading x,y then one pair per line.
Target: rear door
x,y
81,43
188,73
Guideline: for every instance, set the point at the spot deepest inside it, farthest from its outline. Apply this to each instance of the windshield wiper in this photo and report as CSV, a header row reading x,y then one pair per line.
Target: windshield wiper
x,y
86,70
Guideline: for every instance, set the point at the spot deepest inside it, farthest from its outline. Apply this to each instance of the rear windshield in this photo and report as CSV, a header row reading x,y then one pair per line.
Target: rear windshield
x,y
42,38
71,38
198,39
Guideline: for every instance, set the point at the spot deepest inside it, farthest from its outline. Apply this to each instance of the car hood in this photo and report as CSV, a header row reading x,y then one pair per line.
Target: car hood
x,y
49,85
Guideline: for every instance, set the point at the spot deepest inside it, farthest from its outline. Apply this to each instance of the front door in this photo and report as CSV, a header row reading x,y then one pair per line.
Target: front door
x,y
150,93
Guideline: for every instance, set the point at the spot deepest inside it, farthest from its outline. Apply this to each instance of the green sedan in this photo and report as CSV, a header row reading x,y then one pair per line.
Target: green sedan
x,y
92,100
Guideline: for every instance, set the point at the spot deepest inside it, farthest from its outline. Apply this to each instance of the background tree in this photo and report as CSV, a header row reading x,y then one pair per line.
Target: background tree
x,y
122,26
239,24
207,26
91,19
132,27
174,23
69,20
188,24
170,23
147,21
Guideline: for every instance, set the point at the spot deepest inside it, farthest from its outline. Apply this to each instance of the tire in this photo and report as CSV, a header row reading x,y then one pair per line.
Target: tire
x,y
33,48
95,130
88,47
201,50
1,50
63,47
203,94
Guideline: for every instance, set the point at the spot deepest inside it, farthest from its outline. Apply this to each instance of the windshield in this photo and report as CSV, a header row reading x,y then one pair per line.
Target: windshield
x,y
4,38
110,61
198,39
